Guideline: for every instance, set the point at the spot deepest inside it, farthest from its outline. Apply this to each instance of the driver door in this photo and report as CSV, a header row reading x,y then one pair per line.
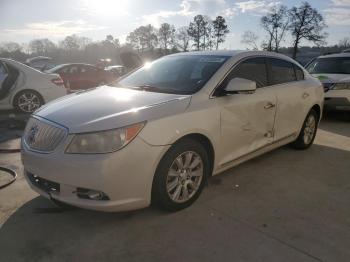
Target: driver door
x,y
247,119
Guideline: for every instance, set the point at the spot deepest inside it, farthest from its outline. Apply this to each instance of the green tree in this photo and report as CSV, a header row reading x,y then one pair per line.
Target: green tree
x,y
220,30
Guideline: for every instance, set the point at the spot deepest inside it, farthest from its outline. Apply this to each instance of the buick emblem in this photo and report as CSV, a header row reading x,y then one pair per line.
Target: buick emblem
x,y
32,134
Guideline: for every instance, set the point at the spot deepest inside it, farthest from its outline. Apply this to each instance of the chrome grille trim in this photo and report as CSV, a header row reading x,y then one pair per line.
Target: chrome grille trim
x,y
42,135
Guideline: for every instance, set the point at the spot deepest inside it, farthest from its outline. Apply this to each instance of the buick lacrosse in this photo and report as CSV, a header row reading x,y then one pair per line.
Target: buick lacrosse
x,y
156,135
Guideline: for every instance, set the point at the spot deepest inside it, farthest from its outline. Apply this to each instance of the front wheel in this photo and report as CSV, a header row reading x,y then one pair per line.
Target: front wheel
x,y
180,175
28,101
308,132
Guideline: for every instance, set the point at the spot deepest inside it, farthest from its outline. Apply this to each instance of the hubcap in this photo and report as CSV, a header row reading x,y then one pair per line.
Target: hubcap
x,y
309,130
184,177
29,102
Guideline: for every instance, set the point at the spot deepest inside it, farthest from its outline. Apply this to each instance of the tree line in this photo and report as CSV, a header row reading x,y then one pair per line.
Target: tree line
x,y
201,34
301,23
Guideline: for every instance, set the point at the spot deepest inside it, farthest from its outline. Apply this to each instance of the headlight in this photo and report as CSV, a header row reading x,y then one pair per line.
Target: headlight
x,y
341,86
103,141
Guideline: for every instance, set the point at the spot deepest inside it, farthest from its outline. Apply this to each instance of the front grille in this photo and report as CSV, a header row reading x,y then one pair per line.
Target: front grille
x,y
43,136
44,184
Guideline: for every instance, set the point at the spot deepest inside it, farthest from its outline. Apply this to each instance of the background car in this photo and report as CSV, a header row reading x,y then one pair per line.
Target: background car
x,y
334,73
82,76
41,63
163,129
117,70
26,89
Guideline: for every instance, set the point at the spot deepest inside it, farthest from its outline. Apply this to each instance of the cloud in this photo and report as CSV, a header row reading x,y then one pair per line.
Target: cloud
x,y
338,13
54,29
260,6
190,8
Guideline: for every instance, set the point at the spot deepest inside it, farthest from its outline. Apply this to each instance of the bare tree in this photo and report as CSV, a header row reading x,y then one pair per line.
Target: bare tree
x,y
41,46
275,23
344,43
306,23
182,38
250,38
166,35
10,47
220,30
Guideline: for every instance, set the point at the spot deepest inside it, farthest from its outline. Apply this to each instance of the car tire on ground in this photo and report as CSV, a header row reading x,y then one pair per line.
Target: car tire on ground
x,y
27,101
180,175
308,131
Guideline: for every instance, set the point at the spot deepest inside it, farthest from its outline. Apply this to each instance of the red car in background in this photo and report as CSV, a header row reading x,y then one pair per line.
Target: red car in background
x,y
82,76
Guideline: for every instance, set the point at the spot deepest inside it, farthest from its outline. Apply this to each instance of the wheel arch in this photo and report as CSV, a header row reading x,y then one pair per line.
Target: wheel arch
x,y
204,141
318,110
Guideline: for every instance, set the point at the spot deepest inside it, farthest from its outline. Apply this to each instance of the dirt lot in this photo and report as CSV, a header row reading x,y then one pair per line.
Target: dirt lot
x,y
283,206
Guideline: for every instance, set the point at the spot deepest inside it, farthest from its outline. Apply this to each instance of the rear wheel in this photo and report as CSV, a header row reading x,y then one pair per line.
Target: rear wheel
x,y
181,175
28,101
308,131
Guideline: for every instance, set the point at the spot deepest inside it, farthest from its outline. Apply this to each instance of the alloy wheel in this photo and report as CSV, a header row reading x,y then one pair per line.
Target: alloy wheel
x,y
310,128
184,177
28,102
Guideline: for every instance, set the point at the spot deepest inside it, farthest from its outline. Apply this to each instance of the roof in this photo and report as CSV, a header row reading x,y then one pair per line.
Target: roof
x,y
216,52
335,55
243,53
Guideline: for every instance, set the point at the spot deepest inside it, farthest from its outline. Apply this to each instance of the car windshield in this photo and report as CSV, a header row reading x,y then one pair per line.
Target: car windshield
x,y
335,65
179,74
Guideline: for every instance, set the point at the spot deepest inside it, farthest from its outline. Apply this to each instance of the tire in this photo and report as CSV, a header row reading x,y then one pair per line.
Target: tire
x,y
308,132
171,182
27,101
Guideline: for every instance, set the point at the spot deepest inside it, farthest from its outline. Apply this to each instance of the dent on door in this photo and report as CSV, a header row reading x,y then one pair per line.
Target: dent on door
x,y
247,123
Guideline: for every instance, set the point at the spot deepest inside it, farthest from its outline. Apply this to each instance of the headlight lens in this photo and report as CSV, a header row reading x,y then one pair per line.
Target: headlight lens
x,y
341,86
103,141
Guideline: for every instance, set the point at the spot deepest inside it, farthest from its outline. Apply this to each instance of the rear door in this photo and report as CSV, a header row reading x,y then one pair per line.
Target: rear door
x,y
287,81
247,120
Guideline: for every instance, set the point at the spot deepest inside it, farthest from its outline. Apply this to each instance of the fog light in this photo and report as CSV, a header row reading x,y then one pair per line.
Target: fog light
x,y
91,194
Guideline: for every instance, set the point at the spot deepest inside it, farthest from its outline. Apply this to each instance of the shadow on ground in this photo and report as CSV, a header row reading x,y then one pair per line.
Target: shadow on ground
x,y
283,206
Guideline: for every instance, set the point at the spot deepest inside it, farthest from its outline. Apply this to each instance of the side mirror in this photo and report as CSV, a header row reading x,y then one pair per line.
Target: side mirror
x,y
237,85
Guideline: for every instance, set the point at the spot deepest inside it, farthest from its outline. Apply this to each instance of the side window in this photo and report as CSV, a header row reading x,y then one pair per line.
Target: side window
x,y
299,73
73,70
252,69
281,71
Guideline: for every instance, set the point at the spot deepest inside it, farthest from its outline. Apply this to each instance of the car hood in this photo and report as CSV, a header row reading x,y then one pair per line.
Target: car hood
x,y
332,78
108,107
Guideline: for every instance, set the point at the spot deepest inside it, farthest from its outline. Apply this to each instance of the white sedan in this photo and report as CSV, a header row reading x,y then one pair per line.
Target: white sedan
x,y
162,130
25,88
334,73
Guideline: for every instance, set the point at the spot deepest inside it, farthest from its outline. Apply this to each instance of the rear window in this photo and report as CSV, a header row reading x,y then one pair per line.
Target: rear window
x,y
281,71
334,65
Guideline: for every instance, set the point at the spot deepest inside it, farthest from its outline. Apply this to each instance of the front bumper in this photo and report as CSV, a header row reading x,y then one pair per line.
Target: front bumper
x,y
126,176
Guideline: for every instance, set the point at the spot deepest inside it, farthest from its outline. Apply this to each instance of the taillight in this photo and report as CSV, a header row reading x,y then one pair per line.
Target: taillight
x,y
58,81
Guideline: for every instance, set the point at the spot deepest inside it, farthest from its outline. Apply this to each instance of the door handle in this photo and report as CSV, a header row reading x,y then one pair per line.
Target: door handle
x,y
305,95
269,105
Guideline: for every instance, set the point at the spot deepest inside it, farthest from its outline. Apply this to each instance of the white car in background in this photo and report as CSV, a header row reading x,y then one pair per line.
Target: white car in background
x,y
160,132
334,73
26,89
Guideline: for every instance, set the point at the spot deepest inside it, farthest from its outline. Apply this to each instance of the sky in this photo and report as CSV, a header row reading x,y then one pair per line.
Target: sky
x,y
24,20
